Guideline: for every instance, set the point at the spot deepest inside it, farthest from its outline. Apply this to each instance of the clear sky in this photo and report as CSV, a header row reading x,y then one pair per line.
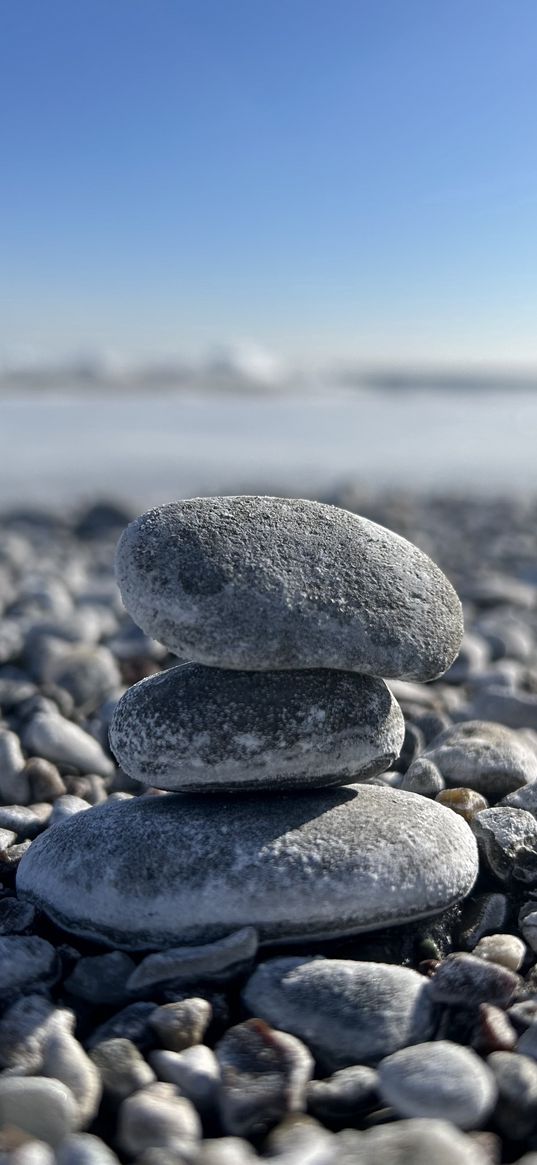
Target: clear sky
x,y
351,178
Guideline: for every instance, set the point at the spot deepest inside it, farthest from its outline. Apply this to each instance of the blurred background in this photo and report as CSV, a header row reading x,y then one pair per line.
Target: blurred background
x,y
267,245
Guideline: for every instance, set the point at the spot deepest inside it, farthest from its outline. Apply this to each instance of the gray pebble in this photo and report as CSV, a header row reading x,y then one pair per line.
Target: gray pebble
x,y
7,838
44,1109
130,1024
88,673
226,1151
340,1098
346,1012
424,778
486,912
25,1028
523,798
15,916
10,858
300,1140
49,735
156,1117
489,758
440,1080
65,807
29,1152
513,709
215,961
527,921
201,728
264,1075
195,1071
64,1059
101,978
85,1149
14,784
507,840
465,981
25,960
46,784
23,820
419,1142
209,575
324,863
122,1068
516,1080
182,1024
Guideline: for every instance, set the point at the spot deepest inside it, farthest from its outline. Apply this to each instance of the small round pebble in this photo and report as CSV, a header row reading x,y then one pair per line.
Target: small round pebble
x,y
489,758
264,1075
157,1116
45,1109
85,1149
122,1068
464,980
516,1080
464,801
196,1072
440,1080
506,949
182,1024
418,1142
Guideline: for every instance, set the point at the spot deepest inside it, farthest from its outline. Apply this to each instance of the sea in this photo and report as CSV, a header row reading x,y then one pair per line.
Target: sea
x,y
149,447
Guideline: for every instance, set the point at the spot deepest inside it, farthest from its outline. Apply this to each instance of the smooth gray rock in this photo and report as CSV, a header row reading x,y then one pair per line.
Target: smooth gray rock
x,y
196,727
490,758
339,1098
260,583
14,784
25,1029
182,1024
25,959
85,1149
65,1060
195,1072
440,1079
157,1116
50,735
507,840
156,871
45,1109
122,1068
463,980
418,1142
212,962
516,1080
346,1012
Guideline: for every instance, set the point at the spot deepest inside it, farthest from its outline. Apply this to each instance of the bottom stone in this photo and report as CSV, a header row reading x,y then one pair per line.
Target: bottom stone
x,y
160,871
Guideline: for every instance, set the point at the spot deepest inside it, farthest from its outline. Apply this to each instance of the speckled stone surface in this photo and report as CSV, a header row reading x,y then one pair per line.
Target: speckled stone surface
x,y
196,727
187,868
347,1012
257,583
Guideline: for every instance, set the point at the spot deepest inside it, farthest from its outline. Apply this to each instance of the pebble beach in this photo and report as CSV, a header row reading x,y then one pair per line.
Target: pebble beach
x,y
307,935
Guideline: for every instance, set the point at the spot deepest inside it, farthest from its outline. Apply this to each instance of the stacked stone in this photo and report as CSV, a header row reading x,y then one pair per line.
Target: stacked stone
x,y
288,612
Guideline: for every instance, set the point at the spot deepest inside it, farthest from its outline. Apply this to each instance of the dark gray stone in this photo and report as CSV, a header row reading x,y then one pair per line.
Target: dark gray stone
x,y
516,1080
346,1012
465,981
156,871
507,840
342,1098
196,727
264,1076
269,583
101,978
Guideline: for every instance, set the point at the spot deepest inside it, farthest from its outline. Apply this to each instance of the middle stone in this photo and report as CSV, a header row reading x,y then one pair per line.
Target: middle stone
x,y
201,728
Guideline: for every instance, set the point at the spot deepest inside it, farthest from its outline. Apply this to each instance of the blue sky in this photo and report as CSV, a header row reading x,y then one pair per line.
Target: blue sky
x,y
348,178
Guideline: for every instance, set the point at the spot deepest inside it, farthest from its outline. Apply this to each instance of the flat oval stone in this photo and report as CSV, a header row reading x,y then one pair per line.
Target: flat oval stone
x,y
187,868
196,727
260,583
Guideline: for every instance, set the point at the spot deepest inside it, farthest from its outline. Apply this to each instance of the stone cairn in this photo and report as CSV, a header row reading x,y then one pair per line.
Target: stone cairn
x,y
273,736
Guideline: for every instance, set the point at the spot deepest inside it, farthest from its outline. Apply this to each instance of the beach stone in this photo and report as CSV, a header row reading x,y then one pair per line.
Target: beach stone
x,y
417,1142
85,1149
157,870
25,1028
209,576
24,960
196,727
506,949
45,1109
346,1012
50,735
129,1024
212,962
464,801
46,784
424,778
440,1079
507,841
66,806
157,1116
14,784
464,980
489,758
182,1024
122,1068
64,1059
195,1071
264,1075
101,979
15,916
516,1080
339,1098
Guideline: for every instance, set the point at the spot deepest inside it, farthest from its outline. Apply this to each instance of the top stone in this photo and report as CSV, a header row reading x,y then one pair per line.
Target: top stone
x,y
260,583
